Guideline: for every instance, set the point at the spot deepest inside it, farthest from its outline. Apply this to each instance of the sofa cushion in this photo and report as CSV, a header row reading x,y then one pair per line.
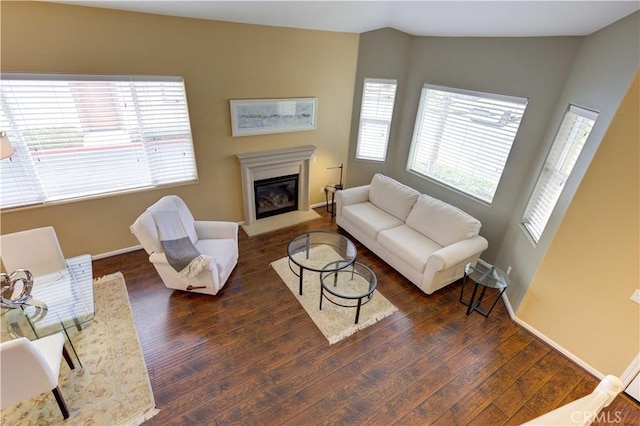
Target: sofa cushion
x,y
369,218
442,222
409,245
392,196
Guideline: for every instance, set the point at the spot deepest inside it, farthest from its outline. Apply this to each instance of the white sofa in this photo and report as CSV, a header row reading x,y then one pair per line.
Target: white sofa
x,y
425,239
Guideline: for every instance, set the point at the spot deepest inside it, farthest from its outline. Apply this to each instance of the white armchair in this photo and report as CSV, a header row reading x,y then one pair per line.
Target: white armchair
x,y
215,239
30,368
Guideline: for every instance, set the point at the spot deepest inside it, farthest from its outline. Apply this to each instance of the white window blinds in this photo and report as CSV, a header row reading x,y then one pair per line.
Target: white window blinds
x,y
567,146
463,138
78,136
378,97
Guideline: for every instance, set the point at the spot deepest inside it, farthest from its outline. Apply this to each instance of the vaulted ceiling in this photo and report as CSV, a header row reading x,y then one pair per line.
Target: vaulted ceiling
x,y
422,18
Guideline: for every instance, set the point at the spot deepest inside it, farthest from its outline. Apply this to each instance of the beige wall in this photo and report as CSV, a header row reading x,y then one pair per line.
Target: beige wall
x,y
219,61
580,296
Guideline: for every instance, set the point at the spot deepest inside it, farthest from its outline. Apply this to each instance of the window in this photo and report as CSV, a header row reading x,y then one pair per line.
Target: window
x,y
562,157
378,97
463,138
78,136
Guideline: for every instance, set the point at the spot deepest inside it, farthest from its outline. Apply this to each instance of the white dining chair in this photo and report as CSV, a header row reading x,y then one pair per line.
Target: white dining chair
x,y
35,249
30,368
38,251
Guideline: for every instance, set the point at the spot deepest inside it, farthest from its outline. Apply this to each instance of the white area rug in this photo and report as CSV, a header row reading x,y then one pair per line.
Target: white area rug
x,y
279,221
113,387
335,322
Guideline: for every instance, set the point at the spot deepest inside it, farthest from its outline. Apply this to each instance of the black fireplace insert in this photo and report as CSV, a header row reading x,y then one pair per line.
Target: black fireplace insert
x,y
276,195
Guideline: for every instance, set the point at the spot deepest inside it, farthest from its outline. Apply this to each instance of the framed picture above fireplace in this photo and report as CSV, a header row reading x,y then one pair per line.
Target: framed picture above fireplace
x,y
262,116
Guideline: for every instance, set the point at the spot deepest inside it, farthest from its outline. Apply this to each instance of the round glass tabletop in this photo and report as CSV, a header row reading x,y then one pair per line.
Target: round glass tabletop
x,y
315,250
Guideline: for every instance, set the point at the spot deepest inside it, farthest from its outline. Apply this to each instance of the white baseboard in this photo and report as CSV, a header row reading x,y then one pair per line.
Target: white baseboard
x,y
315,206
631,372
116,252
550,341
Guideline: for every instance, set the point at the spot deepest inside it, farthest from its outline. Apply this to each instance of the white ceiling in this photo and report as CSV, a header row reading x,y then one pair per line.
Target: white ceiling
x,y
423,18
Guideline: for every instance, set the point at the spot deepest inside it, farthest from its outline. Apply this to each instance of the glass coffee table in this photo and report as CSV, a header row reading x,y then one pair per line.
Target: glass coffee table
x,y
315,250
347,285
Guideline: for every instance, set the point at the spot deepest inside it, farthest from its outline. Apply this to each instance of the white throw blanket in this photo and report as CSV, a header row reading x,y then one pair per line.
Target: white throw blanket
x,y
181,254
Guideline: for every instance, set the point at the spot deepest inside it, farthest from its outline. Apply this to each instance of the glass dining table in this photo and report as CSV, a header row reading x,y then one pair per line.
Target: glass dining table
x,y
62,301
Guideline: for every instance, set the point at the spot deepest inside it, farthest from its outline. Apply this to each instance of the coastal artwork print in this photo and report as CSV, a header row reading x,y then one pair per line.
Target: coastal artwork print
x,y
260,116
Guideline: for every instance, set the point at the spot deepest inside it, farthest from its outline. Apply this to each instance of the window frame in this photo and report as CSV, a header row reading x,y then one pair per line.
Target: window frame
x,y
550,171
420,121
164,143
381,121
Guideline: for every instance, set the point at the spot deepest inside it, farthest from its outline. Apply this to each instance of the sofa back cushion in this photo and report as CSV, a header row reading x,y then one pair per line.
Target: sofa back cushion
x,y
442,222
392,196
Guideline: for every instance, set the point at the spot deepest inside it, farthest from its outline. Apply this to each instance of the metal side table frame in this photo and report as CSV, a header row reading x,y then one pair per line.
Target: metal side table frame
x,y
487,276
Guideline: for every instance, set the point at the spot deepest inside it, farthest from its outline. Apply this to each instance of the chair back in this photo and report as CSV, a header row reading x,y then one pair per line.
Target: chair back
x,y
36,249
146,231
24,372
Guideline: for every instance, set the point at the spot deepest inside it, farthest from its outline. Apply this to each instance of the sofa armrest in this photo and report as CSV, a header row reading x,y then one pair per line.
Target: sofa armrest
x,y
355,195
455,253
216,230
345,197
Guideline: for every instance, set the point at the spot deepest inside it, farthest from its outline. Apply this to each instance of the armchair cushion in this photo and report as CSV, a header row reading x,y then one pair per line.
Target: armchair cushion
x,y
221,252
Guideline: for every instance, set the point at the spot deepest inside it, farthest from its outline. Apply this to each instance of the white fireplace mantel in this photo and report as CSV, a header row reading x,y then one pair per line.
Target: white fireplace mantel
x,y
274,163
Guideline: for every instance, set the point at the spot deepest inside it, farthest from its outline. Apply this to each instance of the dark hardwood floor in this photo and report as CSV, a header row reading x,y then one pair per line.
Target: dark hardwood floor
x,y
252,356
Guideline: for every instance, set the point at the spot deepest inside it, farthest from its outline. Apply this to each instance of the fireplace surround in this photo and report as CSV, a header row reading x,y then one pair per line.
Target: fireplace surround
x,y
261,165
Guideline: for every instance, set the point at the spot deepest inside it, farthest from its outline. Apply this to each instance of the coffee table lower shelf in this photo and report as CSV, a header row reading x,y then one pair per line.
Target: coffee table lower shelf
x,y
347,285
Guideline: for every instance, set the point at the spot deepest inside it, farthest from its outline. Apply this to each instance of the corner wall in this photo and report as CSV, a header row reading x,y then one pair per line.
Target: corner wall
x,y
593,264
600,75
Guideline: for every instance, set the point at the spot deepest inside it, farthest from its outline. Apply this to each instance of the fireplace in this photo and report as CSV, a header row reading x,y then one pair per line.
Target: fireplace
x,y
272,164
276,195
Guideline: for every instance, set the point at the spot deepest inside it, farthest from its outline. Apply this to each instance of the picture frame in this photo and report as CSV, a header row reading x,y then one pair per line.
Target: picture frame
x,y
263,116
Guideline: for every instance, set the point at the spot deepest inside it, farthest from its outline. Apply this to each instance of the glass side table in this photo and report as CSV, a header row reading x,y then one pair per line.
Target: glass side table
x,y
331,189
487,276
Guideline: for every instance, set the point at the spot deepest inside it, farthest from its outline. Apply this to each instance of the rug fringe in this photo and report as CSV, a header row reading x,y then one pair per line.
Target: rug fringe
x,y
108,277
357,327
143,418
